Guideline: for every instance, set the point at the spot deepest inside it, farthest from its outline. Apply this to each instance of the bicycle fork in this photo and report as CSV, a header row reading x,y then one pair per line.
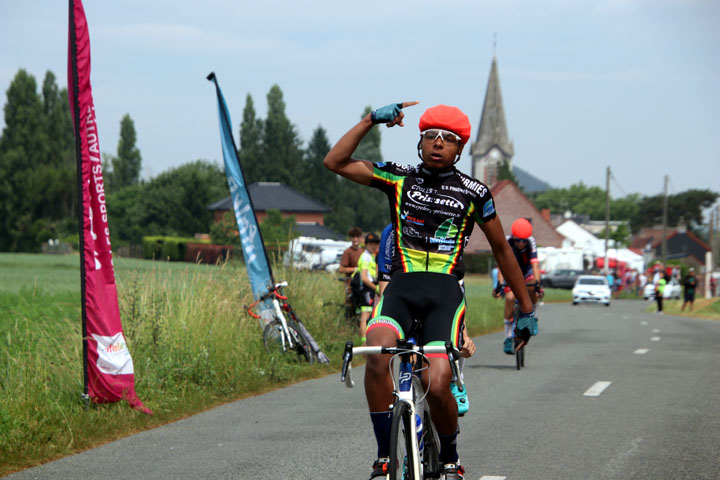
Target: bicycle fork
x,y
405,394
283,323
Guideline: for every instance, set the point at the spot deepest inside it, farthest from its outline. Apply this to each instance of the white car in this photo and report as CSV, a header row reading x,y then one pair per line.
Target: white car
x,y
672,290
591,289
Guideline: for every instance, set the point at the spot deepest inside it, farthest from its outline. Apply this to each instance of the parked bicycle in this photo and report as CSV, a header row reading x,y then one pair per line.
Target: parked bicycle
x,y
414,442
283,335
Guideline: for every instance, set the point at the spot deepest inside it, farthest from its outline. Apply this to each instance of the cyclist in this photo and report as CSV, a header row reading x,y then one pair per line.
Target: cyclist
x,y
384,261
433,209
524,248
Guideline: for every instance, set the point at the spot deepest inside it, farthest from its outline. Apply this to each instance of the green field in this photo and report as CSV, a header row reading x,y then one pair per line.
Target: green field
x,y
192,343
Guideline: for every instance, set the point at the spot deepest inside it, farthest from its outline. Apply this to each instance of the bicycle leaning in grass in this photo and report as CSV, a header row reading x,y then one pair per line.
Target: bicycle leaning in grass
x,y
414,441
287,335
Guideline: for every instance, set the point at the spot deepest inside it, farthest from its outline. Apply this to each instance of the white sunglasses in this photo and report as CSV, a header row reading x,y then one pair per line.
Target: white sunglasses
x,y
445,136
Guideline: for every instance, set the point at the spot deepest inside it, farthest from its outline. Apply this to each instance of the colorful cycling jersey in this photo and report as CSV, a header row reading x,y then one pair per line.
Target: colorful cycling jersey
x,y
432,215
526,255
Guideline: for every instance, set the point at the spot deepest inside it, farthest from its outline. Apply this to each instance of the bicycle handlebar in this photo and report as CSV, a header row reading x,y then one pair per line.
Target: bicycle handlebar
x,y
273,291
350,351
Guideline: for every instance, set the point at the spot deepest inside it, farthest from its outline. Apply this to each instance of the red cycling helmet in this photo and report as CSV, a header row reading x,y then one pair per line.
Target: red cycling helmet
x,y
522,229
446,118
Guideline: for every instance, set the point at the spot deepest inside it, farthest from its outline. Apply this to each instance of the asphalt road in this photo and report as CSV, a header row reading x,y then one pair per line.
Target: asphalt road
x,y
657,416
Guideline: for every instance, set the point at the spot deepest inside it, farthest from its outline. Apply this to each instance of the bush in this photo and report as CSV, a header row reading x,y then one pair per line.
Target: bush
x,y
207,253
168,248
478,262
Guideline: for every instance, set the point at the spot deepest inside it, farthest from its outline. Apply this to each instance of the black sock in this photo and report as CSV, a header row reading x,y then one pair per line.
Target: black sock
x,y
382,423
448,448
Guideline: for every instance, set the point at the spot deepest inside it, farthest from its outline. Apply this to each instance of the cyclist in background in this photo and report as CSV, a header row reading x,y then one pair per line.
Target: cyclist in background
x,y
524,248
433,210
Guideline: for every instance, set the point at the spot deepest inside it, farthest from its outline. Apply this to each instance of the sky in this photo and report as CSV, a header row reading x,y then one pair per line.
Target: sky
x,y
586,84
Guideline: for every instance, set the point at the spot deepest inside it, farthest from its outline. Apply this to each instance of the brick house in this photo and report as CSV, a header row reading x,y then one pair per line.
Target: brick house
x,y
512,204
309,213
681,244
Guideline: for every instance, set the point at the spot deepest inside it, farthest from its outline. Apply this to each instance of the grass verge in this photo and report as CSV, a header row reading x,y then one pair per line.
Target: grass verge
x,y
193,346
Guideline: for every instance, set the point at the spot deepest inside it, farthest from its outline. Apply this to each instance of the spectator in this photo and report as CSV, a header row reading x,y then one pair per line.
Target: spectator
x,y
659,292
349,260
690,283
368,271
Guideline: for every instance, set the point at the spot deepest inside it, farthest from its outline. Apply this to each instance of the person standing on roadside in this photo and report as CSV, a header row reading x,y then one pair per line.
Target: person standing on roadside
x,y
659,292
689,284
349,260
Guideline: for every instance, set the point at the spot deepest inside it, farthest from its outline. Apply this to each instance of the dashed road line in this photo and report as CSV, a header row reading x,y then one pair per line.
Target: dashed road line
x,y
641,351
491,477
656,330
597,389
655,339
643,322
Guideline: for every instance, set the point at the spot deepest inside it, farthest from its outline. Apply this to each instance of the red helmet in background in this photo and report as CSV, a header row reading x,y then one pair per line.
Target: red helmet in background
x,y
522,229
447,118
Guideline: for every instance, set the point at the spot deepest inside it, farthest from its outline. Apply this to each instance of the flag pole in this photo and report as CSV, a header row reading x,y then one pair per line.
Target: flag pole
x,y
81,208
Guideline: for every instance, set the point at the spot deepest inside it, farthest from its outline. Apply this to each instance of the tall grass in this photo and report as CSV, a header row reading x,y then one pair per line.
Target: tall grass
x,y
192,344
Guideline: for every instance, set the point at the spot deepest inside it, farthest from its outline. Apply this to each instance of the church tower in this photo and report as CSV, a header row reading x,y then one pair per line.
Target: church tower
x,y
492,146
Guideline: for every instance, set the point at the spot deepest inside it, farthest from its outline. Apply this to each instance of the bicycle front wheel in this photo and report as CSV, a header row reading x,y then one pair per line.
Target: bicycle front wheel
x,y
519,354
296,346
402,461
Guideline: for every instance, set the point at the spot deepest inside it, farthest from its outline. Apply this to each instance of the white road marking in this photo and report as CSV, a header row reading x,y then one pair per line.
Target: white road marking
x,y
597,389
656,330
643,322
491,477
655,339
641,351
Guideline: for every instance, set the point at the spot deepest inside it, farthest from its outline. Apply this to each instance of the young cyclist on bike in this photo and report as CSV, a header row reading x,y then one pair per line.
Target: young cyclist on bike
x,y
384,261
433,207
524,248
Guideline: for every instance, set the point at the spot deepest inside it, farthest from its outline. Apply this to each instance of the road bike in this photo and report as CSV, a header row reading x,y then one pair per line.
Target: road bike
x,y
414,442
518,345
283,335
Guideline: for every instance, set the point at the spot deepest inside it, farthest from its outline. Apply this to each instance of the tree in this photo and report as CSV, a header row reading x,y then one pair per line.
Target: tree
x,y
687,205
316,180
24,151
276,229
128,162
579,199
506,173
281,146
369,147
173,203
250,151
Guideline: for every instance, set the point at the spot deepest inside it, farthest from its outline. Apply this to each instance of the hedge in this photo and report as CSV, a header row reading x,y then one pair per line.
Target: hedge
x,y
478,262
168,248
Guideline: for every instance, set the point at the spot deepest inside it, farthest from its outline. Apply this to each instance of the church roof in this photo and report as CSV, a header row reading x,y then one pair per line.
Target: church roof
x,y
493,127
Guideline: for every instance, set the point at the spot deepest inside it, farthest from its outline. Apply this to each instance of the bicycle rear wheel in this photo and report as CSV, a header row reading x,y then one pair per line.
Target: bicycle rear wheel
x,y
431,451
297,346
402,462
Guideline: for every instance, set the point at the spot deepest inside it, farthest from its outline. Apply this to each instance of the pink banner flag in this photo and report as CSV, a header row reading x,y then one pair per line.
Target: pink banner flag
x,y
109,375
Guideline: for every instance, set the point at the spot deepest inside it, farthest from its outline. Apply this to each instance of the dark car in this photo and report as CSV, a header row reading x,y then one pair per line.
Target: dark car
x,y
562,278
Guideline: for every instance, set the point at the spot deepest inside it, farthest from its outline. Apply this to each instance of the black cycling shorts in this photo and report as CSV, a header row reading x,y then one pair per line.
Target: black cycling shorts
x,y
435,299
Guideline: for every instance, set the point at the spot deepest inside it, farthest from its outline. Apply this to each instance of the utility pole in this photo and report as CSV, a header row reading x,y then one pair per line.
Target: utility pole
x,y
710,263
664,223
607,220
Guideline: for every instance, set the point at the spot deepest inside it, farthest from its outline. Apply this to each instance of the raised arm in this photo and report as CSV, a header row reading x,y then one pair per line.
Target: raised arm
x,y
507,263
339,158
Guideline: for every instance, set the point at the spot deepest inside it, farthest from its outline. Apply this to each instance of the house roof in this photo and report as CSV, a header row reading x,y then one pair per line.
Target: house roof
x,y
275,196
511,204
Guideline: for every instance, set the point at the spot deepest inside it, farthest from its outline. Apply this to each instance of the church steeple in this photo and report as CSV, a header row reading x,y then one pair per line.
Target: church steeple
x,y
492,146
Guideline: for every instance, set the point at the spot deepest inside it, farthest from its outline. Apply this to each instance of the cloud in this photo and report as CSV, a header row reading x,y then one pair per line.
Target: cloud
x,y
184,38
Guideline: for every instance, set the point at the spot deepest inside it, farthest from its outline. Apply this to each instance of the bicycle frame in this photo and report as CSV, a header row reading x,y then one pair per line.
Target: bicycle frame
x,y
274,293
